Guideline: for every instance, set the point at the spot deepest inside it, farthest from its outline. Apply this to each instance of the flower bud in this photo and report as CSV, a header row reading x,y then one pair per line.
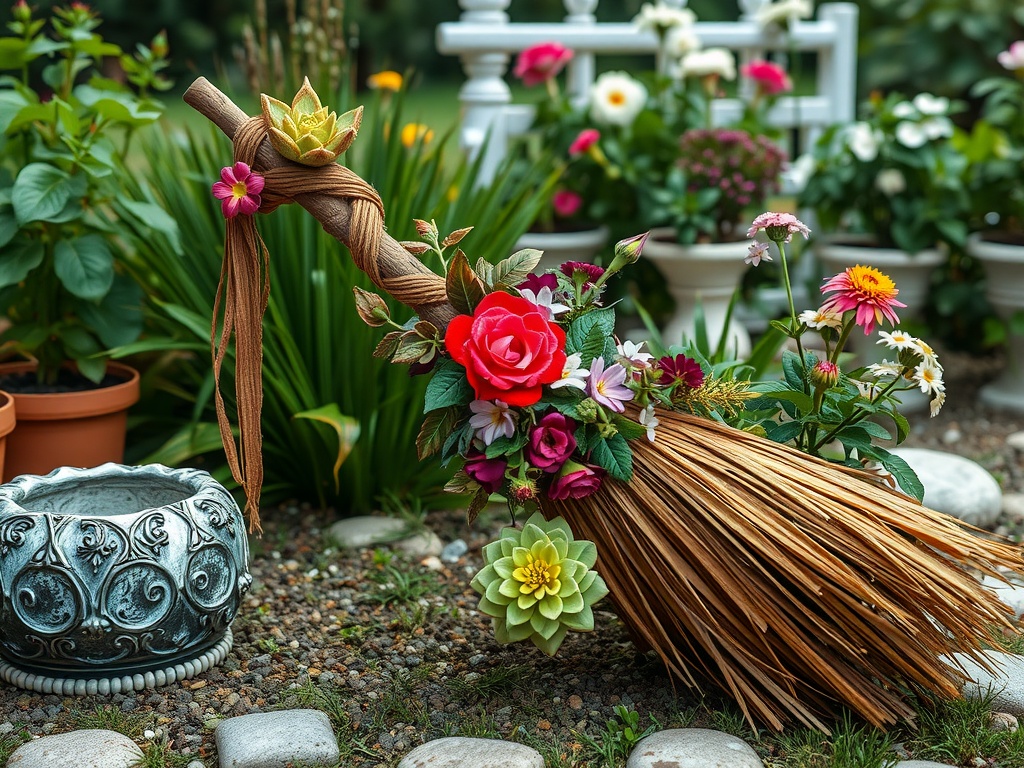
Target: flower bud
x,y
628,251
21,12
587,410
522,489
824,374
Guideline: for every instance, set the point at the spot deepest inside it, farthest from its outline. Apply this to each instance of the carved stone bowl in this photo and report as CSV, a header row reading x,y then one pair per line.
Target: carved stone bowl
x,y
117,578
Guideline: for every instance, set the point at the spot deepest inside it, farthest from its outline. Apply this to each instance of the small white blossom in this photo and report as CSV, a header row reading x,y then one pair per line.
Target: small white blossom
x,y
631,353
819,318
572,374
680,41
660,17
863,141
916,134
616,98
491,420
897,340
649,420
544,298
710,61
904,110
927,104
929,378
885,368
890,181
756,253
936,404
867,389
784,12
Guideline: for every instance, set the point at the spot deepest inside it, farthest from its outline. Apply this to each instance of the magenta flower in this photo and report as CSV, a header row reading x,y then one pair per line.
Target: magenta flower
x,y
771,79
866,291
551,442
238,190
536,282
489,474
575,481
587,138
592,272
681,369
541,62
779,227
566,202
608,386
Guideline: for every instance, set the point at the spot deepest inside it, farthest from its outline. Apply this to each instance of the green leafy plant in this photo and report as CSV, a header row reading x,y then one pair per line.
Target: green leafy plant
x,y
621,734
62,149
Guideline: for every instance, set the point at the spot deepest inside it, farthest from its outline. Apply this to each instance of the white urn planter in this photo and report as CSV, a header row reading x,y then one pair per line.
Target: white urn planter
x,y
911,272
1004,288
559,247
706,274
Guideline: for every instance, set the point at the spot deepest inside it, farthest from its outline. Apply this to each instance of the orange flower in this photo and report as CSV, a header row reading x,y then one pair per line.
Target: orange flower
x,y
413,132
866,291
388,80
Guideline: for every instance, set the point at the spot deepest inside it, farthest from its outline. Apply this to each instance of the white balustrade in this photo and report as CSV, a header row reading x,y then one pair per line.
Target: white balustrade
x,y
486,39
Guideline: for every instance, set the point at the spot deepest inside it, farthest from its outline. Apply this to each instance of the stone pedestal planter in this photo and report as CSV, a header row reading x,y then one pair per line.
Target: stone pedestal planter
x,y
117,578
1004,288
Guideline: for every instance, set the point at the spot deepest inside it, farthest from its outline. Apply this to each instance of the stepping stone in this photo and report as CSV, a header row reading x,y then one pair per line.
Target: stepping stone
x,y
461,752
367,531
1006,685
693,748
91,748
277,740
1012,594
920,764
422,544
955,485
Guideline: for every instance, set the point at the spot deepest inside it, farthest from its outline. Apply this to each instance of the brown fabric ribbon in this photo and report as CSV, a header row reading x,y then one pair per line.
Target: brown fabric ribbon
x,y
244,289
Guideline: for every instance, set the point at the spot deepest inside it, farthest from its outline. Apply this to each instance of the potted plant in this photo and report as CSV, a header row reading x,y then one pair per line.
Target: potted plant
x,y
62,291
995,149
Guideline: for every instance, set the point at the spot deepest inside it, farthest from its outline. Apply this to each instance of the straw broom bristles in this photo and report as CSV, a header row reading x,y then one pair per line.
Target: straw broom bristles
x,y
792,583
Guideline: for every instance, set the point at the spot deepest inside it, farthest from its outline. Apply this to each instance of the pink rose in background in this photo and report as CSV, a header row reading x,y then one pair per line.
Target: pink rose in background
x,y
576,481
488,473
566,203
541,62
587,138
771,79
551,442
1013,58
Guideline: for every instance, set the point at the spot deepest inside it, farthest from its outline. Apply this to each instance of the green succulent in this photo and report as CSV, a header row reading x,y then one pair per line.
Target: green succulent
x,y
537,583
306,132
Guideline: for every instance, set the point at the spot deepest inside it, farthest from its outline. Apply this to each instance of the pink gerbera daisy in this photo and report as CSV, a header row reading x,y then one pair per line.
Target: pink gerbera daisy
x,y
238,190
866,291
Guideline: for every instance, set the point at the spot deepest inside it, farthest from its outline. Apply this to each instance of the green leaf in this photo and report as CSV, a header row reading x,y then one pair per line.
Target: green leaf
x,y
156,218
435,430
41,191
628,428
345,427
784,432
504,446
463,287
117,319
448,386
793,371
93,368
517,267
18,260
85,265
8,228
876,430
188,442
905,476
777,390
614,455
902,425
581,335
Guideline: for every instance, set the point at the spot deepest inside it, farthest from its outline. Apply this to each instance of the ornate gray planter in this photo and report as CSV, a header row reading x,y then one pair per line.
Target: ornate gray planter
x,y
117,578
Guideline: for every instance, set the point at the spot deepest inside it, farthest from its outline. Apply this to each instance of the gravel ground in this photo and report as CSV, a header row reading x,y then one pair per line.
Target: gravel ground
x,y
396,654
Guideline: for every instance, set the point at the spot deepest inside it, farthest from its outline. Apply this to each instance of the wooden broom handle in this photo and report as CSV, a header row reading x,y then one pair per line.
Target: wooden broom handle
x,y
334,213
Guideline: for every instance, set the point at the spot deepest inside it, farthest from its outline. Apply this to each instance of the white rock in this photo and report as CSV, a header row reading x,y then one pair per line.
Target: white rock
x,y
92,748
1013,506
424,543
693,748
920,764
1006,684
277,739
1016,441
955,485
461,752
367,531
1011,594
1003,721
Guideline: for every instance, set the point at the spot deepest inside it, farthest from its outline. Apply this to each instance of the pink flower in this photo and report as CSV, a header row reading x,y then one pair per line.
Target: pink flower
x,y
771,79
824,374
541,62
866,291
1013,59
780,227
536,283
608,387
587,138
576,481
566,202
488,473
756,253
592,272
551,442
238,190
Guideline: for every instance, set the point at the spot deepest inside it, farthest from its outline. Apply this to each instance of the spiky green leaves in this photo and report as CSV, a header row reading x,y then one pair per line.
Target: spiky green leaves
x,y
537,583
306,132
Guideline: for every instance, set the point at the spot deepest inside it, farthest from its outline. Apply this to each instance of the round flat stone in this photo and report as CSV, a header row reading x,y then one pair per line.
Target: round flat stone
x,y
461,752
1006,682
955,485
367,531
277,740
693,748
92,748
920,764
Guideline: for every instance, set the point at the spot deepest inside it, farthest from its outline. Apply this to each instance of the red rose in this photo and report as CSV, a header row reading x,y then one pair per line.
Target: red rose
x,y
576,481
509,348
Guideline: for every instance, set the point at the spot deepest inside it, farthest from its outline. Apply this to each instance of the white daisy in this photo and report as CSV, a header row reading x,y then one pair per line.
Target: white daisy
x,y
784,12
710,61
616,98
491,420
885,368
572,374
929,378
631,353
661,17
649,420
923,349
897,340
545,298
821,318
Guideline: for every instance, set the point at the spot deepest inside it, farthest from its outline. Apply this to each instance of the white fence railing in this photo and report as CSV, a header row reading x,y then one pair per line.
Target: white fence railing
x,y
486,39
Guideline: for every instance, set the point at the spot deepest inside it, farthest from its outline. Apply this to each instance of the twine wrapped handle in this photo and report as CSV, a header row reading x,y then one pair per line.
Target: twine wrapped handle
x,y
349,210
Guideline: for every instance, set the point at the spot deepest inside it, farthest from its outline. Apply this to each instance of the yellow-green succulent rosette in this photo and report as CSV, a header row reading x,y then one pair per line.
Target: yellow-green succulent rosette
x,y
537,583
307,132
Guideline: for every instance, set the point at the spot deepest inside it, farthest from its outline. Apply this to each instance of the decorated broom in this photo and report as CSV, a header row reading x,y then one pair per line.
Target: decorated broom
x,y
792,583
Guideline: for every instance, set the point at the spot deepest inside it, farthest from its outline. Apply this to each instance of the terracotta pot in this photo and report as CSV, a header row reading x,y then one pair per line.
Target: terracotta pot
x,y
73,429
6,424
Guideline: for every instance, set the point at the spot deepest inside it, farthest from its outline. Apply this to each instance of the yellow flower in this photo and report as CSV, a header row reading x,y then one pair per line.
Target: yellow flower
x,y
306,132
388,80
413,132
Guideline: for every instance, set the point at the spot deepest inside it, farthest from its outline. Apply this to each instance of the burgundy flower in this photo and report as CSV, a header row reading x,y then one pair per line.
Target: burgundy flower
x,y
536,282
592,271
682,369
488,473
575,481
551,442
